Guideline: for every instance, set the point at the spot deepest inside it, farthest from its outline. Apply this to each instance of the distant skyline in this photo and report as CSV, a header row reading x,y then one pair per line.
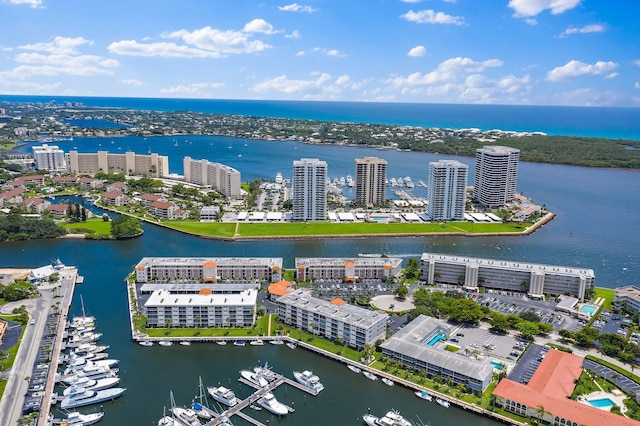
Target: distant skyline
x,y
539,52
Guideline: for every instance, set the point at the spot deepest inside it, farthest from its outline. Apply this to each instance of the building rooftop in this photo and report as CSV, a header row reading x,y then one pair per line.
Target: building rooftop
x,y
410,340
557,374
346,313
164,298
217,261
630,292
348,261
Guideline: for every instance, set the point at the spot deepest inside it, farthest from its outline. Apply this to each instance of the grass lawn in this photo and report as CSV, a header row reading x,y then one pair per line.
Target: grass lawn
x,y
207,229
92,226
6,364
608,295
5,146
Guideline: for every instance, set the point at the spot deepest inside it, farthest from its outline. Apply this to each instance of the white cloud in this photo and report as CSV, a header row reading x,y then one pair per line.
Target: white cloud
x,y
526,8
131,82
204,42
591,28
610,76
637,85
259,25
431,17
329,52
636,62
590,96
575,68
59,45
295,7
411,1
319,86
59,57
300,53
447,71
32,3
294,34
15,87
531,21
417,51
192,90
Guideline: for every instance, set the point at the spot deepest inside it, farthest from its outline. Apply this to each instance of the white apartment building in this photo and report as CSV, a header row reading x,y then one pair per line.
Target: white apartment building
x,y
309,189
49,157
354,325
536,280
347,269
447,190
208,269
129,163
205,309
371,176
221,178
496,175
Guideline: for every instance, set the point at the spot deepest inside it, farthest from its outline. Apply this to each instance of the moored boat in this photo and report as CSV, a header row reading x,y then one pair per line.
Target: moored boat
x,y
221,342
93,385
78,419
256,379
239,342
423,395
81,397
276,342
291,345
354,369
387,382
444,403
186,416
369,375
223,395
270,403
392,418
257,342
309,380
165,343
185,343
145,343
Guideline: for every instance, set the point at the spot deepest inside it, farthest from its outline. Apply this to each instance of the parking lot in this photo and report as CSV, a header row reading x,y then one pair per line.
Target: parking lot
x,y
528,363
480,341
325,288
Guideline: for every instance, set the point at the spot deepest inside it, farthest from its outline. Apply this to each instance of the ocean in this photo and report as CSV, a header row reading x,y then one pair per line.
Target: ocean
x,y
602,122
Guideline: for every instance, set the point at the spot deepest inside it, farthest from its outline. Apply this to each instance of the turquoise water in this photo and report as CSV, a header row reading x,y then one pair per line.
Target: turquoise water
x,y
497,365
588,309
601,402
615,123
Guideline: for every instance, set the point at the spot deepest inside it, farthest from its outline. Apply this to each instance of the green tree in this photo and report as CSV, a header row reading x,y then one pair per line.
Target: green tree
x,y
466,311
528,329
412,270
125,226
499,323
402,291
18,290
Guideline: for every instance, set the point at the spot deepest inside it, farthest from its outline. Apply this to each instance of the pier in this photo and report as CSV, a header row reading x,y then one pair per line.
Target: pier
x,y
277,380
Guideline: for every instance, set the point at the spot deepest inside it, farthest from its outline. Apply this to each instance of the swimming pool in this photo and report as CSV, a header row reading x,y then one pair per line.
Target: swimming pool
x,y
589,309
435,339
497,365
601,403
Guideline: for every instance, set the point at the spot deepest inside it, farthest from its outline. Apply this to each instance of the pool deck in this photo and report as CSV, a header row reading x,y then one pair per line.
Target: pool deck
x,y
617,400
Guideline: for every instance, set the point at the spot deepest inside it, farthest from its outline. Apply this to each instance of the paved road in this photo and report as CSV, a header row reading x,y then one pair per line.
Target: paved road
x,y
39,309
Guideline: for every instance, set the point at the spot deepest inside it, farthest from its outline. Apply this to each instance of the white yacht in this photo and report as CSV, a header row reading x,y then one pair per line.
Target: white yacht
x,y
91,367
81,397
392,418
94,385
370,376
97,373
308,379
145,343
270,403
276,342
444,403
77,419
186,416
387,382
257,342
185,343
255,378
354,369
223,395
424,395
165,343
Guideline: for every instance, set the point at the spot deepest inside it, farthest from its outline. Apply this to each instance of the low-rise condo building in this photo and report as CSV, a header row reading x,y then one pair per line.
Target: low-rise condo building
x,y
536,280
204,309
209,269
354,325
627,298
347,269
420,346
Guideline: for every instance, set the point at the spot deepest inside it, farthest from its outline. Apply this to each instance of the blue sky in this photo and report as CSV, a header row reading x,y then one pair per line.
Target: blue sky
x,y
542,52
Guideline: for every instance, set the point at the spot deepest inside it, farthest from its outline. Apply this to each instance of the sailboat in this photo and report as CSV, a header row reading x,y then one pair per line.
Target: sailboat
x,y
175,142
202,411
82,321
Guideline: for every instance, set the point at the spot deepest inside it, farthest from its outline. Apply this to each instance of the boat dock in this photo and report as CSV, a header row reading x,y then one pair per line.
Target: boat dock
x,y
253,398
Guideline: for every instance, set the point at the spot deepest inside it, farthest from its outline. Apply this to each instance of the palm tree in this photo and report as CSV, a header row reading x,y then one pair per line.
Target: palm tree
x,y
541,412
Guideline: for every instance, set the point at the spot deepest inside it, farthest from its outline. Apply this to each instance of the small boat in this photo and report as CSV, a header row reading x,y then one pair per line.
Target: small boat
x,y
221,342
77,419
276,342
255,378
443,402
165,343
239,343
223,395
93,385
291,345
145,343
387,382
185,343
308,379
354,369
258,342
370,376
255,407
392,418
423,395
239,155
201,411
270,403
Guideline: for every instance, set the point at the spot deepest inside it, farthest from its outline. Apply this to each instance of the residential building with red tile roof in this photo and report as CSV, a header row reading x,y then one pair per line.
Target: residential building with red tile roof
x,y
349,269
65,180
550,388
58,210
114,198
117,186
36,204
90,183
13,196
147,199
